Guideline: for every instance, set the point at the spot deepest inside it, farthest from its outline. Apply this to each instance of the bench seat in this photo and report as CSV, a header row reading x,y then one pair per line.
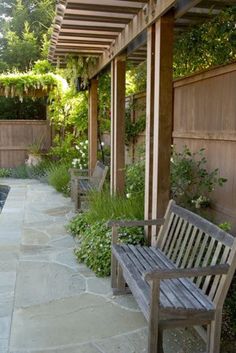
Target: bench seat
x,y
177,296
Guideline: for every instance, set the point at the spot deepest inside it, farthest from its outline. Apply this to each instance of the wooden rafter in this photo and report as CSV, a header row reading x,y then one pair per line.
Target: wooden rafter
x,y
118,26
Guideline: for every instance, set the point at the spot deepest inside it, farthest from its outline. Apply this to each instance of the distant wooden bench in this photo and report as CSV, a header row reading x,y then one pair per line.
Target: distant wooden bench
x,y
181,282
82,183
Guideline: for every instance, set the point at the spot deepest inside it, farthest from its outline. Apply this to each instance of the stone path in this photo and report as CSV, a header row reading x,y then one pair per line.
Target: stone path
x,y
48,302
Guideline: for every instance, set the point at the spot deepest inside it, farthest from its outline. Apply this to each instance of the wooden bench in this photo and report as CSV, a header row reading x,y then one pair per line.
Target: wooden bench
x,y
82,183
181,282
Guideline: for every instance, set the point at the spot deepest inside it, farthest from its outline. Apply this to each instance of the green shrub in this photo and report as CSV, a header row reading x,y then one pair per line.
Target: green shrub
x,y
5,173
58,176
40,170
95,246
20,172
191,183
135,178
78,224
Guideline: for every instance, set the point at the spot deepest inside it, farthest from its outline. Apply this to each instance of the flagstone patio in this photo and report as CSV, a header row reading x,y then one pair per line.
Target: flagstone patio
x,y
49,302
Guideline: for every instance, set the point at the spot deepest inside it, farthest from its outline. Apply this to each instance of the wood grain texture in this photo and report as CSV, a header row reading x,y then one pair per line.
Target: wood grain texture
x,y
17,135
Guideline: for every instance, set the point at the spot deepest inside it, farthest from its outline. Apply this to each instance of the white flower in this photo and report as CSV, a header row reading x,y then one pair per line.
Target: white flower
x,y
77,147
128,196
83,154
86,142
102,143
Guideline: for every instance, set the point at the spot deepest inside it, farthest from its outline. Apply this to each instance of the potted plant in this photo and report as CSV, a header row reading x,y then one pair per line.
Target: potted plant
x,y
35,153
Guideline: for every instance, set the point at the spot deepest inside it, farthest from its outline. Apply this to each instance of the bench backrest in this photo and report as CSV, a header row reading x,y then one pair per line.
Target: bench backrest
x,y
191,241
99,175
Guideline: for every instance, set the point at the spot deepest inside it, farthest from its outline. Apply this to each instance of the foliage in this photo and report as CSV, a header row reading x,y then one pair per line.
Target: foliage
x,y
104,102
226,226
135,178
136,78
104,206
81,162
13,108
20,84
133,129
24,28
78,67
95,243
69,113
95,248
5,173
78,224
209,44
42,67
63,149
20,172
58,176
36,147
191,183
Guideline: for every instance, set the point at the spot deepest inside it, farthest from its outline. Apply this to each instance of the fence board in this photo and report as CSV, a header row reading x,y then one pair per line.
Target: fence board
x,y
17,135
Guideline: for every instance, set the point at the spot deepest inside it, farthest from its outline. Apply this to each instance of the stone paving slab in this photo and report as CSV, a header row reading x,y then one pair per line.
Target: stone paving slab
x,y
49,303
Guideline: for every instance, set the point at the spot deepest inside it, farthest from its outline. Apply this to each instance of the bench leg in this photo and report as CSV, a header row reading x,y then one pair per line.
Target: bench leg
x,y
214,333
155,333
118,283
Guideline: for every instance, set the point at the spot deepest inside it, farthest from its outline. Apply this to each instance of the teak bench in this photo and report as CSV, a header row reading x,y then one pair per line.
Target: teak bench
x,y
181,282
82,184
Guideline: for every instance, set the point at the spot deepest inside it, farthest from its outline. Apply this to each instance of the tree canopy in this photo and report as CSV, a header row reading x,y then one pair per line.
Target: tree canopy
x,y
24,32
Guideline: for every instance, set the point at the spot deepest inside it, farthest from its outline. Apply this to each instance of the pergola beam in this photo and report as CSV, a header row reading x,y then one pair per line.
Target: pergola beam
x,y
184,5
140,22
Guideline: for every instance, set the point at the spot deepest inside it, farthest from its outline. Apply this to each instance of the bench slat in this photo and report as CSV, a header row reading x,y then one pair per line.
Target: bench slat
x,y
174,289
167,301
190,286
175,294
204,225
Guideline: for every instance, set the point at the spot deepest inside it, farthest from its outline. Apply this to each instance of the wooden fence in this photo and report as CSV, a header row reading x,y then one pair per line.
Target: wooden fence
x,y
205,117
17,135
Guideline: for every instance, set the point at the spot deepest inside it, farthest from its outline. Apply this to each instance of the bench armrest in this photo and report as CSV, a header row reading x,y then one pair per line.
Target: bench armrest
x,y
185,272
125,223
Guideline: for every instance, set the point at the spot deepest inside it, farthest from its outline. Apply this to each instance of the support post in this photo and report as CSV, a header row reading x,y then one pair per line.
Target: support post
x,y
118,68
93,124
163,115
151,32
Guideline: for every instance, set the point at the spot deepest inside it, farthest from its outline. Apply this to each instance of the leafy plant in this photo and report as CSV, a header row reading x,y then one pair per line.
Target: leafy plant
x,y
209,44
20,172
5,173
95,245
135,178
191,182
226,226
36,147
58,176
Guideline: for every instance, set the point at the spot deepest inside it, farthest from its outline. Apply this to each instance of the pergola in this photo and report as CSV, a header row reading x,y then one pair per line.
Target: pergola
x,y
116,31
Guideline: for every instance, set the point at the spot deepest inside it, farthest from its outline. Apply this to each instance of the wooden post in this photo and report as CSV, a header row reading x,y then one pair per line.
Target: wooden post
x,y
118,125
92,126
151,32
163,121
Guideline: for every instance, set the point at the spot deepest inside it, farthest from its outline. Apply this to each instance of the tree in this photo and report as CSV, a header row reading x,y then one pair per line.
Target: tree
x,y
25,30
